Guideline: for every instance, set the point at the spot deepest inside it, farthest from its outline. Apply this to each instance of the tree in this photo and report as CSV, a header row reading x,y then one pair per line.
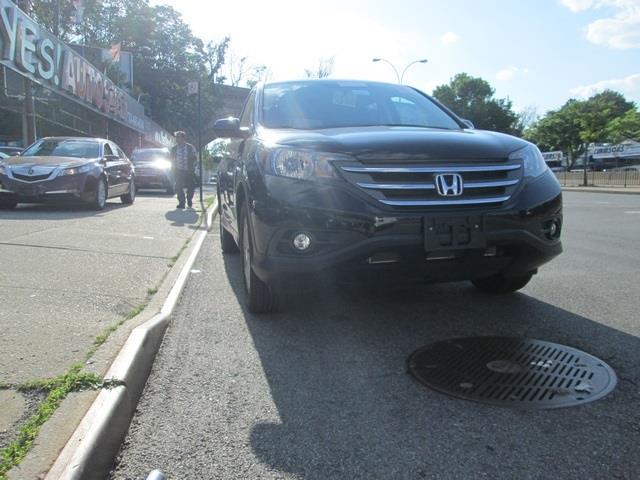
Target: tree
x,y
323,70
625,127
559,130
598,111
473,98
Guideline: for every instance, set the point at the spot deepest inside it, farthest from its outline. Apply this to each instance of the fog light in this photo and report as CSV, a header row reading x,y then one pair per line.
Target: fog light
x,y
553,229
301,242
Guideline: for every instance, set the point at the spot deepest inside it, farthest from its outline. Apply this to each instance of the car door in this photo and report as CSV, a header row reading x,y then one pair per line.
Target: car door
x,y
126,169
231,166
111,168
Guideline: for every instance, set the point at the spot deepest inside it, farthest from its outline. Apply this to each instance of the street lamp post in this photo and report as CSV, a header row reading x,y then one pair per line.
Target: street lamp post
x,y
398,76
389,63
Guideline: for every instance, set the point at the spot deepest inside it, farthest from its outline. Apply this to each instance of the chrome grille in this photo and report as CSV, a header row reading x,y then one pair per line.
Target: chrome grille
x,y
486,183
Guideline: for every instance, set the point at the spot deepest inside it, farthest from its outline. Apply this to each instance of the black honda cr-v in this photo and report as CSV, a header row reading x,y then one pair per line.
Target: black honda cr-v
x,y
361,179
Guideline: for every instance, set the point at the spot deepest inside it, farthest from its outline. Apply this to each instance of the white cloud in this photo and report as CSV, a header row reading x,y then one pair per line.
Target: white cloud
x,y
509,72
449,38
629,86
622,31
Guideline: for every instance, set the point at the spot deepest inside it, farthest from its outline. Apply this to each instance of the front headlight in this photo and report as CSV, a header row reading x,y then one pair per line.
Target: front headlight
x,y
76,170
302,164
162,164
532,160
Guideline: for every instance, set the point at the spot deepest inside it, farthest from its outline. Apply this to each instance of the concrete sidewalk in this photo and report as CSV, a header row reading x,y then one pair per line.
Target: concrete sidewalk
x,y
69,278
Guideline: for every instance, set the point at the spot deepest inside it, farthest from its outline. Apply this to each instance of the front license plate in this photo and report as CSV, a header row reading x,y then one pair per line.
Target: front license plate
x,y
452,233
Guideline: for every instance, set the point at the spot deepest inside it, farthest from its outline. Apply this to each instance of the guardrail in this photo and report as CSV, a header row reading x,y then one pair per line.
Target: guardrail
x,y
599,179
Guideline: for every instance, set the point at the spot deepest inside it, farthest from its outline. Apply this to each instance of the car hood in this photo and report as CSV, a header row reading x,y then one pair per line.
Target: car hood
x,y
400,143
66,162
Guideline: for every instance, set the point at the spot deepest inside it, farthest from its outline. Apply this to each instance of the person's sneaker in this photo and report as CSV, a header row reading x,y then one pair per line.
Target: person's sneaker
x,y
180,206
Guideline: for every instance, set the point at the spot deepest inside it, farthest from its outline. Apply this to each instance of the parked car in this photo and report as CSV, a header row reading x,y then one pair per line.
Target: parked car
x,y
213,179
10,150
56,168
3,156
153,169
367,180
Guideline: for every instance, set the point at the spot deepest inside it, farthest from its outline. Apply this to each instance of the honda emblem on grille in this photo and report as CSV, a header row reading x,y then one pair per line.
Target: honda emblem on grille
x,y
449,184
31,171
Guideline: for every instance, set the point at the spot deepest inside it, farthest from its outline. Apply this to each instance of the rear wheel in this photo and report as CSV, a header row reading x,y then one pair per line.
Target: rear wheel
x,y
129,197
501,284
260,298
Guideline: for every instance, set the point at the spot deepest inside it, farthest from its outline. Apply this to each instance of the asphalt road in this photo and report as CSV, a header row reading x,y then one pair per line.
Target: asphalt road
x,y
320,391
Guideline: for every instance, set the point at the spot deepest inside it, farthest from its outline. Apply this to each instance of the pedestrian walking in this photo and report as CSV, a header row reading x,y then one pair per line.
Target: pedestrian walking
x,y
183,160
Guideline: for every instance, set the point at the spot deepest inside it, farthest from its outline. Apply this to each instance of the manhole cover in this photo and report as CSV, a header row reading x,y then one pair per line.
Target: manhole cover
x,y
513,372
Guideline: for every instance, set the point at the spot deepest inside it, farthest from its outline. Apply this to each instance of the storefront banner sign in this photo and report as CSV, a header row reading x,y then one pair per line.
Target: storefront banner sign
x,y
30,50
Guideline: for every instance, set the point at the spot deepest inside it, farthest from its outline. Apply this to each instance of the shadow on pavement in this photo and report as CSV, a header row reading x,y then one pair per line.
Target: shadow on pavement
x,y
180,218
335,361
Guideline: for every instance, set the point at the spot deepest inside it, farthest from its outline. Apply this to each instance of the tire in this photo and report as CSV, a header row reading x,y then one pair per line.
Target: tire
x,y
227,243
500,284
260,298
99,200
129,197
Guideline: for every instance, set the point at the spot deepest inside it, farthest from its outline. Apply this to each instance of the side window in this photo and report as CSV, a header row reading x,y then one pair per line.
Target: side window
x,y
246,119
121,153
107,149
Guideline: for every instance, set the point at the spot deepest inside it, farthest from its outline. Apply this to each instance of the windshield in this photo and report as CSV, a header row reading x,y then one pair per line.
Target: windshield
x,y
147,156
311,105
64,148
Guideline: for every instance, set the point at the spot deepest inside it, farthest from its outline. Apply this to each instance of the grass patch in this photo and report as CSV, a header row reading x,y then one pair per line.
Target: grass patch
x,y
57,389
174,259
106,333
152,291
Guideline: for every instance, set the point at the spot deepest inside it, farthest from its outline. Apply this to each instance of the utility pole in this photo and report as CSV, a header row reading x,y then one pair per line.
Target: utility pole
x,y
28,105
200,136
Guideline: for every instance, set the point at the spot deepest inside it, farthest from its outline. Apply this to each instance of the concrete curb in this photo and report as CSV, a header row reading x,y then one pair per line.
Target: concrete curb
x,y
620,191
90,451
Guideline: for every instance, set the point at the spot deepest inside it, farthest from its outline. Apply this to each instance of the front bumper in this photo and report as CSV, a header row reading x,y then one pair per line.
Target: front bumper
x,y
69,186
371,242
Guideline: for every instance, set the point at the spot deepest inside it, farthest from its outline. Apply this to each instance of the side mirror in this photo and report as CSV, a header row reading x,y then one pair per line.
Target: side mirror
x,y
468,123
229,128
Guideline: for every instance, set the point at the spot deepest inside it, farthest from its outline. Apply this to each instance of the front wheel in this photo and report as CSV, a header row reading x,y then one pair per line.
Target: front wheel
x,y
501,284
129,197
260,298
99,200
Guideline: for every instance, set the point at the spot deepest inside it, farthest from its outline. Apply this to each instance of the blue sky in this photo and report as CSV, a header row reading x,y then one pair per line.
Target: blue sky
x,y
536,52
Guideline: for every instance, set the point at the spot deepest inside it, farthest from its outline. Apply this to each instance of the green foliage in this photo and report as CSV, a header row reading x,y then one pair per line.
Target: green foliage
x,y
581,122
559,130
57,390
472,98
625,127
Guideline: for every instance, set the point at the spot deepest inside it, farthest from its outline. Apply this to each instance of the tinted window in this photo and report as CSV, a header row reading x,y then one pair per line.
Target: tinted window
x,y
107,149
64,148
247,113
308,105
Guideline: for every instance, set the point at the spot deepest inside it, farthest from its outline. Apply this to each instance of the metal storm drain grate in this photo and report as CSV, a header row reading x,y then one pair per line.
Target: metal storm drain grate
x,y
513,372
